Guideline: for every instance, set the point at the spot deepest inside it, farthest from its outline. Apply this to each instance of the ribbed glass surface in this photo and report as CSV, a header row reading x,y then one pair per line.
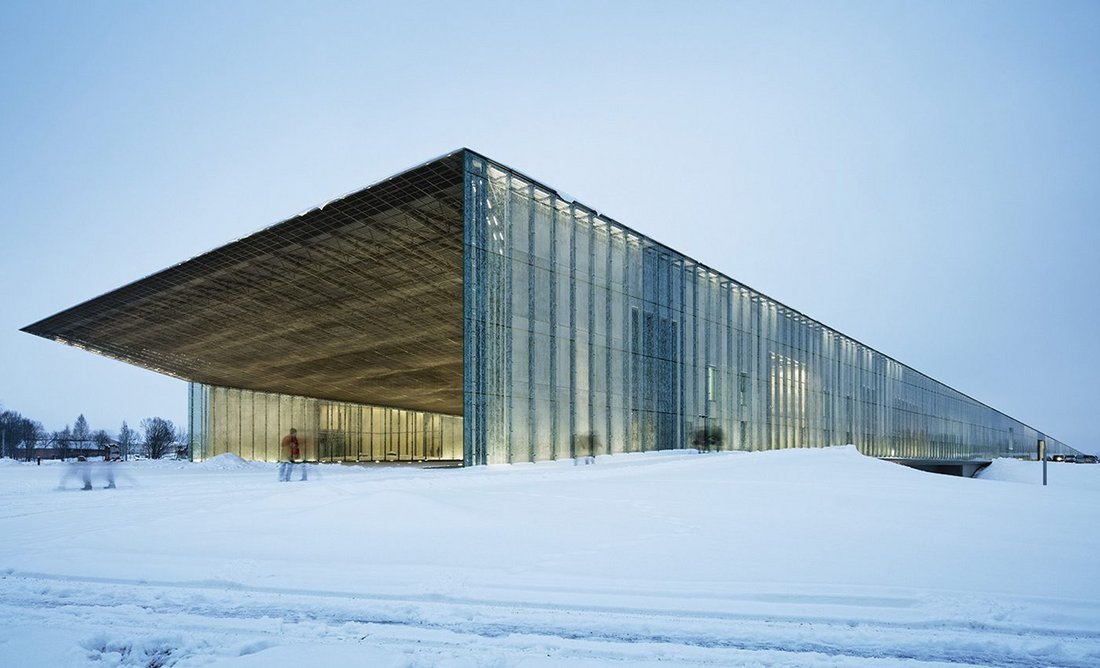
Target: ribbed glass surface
x,y
583,336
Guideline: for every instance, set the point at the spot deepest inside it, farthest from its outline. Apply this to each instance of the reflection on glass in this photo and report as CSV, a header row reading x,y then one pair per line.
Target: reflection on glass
x,y
582,335
251,425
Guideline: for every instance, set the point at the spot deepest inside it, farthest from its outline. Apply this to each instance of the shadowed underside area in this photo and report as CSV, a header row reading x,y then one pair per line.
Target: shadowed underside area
x,y
359,300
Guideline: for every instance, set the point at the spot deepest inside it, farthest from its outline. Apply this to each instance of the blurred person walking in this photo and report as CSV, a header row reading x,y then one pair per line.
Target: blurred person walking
x,y
292,450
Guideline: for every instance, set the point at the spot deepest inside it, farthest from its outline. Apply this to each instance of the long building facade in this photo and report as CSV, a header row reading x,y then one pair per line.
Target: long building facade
x,y
462,311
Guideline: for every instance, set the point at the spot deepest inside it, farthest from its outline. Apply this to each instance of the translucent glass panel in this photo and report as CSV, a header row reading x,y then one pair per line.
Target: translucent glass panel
x,y
582,336
252,425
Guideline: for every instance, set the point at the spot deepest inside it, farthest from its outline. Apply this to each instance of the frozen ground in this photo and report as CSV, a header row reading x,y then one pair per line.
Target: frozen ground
x,y
788,558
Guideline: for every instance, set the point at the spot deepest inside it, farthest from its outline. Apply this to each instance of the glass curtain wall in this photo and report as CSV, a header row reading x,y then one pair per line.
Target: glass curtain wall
x,y
252,425
585,337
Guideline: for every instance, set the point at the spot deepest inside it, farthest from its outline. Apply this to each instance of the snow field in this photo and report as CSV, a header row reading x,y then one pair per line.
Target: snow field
x,y
800,557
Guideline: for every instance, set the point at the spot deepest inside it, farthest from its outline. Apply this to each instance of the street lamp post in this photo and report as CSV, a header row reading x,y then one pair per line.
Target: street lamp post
x,y
1043,458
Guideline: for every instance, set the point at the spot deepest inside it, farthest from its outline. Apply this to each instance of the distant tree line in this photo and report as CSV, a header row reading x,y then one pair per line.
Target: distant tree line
x,y
24,438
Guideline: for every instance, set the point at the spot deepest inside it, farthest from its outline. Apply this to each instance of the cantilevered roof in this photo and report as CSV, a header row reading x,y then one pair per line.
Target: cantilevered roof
x,y
359,300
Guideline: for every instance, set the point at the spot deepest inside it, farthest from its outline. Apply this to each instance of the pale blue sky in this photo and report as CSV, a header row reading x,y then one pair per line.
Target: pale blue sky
x,y
921,176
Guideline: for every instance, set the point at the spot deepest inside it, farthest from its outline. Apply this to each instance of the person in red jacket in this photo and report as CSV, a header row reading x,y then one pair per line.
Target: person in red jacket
x,y
293,452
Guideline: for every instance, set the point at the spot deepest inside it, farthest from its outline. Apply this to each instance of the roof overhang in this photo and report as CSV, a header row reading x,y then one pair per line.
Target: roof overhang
x,y
358,300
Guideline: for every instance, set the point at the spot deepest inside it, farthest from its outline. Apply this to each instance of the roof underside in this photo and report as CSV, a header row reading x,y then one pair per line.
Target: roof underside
x,y
359,300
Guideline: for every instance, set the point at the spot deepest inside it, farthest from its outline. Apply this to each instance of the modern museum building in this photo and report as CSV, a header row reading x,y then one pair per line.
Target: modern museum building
x,y
461,311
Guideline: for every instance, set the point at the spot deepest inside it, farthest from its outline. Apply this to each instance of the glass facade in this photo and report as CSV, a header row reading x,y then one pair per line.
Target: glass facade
x,y
252,425
462,311
585,337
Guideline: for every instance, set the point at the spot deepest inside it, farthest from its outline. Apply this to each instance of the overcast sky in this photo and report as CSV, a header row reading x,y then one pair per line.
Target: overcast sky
x,y
920,176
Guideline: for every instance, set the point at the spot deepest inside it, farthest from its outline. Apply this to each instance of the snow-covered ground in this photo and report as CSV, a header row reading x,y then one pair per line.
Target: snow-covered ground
x,y
792,558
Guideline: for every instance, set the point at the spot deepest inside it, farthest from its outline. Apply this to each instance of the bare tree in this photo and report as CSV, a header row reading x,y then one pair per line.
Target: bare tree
x,y
183,444
9,433
32,434
18,432
159,436
81,432
63,439
126,439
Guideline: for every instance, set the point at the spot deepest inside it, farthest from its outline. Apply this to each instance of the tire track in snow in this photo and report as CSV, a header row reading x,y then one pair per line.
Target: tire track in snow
x,y
520,625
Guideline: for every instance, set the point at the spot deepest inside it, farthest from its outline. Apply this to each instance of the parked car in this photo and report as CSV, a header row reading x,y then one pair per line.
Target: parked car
x,y
1070,459
1087,459
1056,458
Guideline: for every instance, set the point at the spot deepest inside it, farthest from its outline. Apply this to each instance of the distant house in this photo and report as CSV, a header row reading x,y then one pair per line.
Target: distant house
x,y
53,451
